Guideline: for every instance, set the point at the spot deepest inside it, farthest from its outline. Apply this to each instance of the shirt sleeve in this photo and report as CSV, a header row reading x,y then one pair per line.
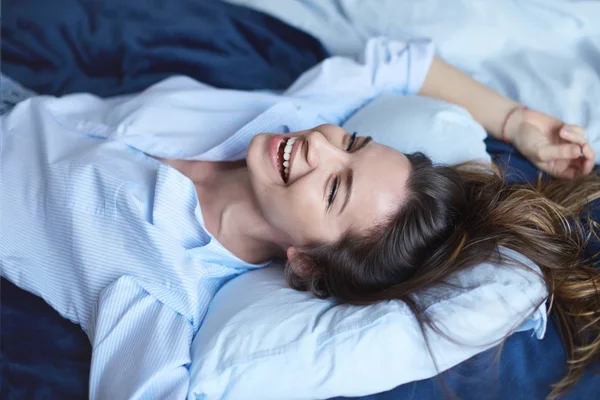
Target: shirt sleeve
x,y
140,347
339,86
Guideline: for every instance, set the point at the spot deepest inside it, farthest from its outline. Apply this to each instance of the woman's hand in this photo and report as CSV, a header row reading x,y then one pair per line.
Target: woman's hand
x,y
556,148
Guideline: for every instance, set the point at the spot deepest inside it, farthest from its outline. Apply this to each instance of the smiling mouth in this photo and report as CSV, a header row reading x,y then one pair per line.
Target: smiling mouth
x,y
284,153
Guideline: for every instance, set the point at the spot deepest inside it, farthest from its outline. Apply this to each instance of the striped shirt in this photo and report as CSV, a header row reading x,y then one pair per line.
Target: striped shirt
x,y
114,240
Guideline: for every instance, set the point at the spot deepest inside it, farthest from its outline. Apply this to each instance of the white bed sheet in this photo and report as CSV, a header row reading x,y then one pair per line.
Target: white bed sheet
x,y
543,53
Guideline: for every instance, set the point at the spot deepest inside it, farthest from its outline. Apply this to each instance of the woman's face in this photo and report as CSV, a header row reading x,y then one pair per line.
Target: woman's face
x,y
335,182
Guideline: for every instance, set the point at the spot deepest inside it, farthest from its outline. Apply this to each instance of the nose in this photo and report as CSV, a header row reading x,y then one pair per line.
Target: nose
x,y
316,153
321,150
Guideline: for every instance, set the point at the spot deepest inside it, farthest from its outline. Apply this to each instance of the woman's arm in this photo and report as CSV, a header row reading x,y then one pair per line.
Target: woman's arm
x,y
551,145
487,106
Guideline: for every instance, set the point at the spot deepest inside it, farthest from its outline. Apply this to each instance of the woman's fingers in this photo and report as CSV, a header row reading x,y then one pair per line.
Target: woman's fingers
x,y
570,169
573,133
569,173
588,159
565,151
576,134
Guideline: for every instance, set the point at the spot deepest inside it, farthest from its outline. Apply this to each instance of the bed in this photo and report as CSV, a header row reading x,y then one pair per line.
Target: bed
x,y
112,48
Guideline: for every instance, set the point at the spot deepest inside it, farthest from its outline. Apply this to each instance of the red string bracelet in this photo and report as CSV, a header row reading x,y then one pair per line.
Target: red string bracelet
x,y
511,112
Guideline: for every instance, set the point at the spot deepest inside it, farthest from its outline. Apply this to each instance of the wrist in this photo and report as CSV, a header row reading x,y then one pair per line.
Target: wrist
x,y
513,120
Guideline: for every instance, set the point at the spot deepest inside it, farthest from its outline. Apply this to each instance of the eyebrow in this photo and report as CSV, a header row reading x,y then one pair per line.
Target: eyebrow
x,y
350,175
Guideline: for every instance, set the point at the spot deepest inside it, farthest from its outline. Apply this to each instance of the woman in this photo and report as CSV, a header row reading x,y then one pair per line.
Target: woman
x,y
133,211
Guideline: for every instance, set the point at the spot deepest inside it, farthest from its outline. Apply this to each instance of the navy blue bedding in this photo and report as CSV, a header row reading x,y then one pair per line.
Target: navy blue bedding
x,y
526,370
110,47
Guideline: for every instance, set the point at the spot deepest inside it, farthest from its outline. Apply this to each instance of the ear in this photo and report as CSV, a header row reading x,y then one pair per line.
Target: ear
x,y
291,253
302,266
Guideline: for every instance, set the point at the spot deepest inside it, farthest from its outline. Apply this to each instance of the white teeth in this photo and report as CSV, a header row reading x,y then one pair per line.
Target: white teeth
x,y
289,146
287,153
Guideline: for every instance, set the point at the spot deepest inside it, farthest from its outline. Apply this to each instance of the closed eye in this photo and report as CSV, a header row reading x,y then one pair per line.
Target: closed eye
x,y
332,192
351,142
336,181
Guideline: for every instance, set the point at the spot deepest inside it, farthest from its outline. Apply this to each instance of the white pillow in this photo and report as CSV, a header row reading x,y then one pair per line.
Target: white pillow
x,y
263,340
445,132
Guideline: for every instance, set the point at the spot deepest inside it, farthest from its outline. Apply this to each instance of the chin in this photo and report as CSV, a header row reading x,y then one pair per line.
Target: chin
x,y
257,163
253,153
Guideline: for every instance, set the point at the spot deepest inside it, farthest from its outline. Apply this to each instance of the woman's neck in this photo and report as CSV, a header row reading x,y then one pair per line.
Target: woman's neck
x,y
231,213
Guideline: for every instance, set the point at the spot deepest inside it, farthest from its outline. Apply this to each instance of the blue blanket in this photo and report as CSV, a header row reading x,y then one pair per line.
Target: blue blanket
x,y
112,47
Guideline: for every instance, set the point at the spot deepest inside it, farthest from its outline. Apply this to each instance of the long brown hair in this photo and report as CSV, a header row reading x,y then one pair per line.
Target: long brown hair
x,y
457,217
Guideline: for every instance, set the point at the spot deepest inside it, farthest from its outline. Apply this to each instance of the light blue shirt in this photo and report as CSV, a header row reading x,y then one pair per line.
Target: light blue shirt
x,y
114,240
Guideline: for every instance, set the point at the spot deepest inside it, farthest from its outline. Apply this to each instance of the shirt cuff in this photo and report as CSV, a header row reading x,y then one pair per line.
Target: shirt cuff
x,y
420,57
